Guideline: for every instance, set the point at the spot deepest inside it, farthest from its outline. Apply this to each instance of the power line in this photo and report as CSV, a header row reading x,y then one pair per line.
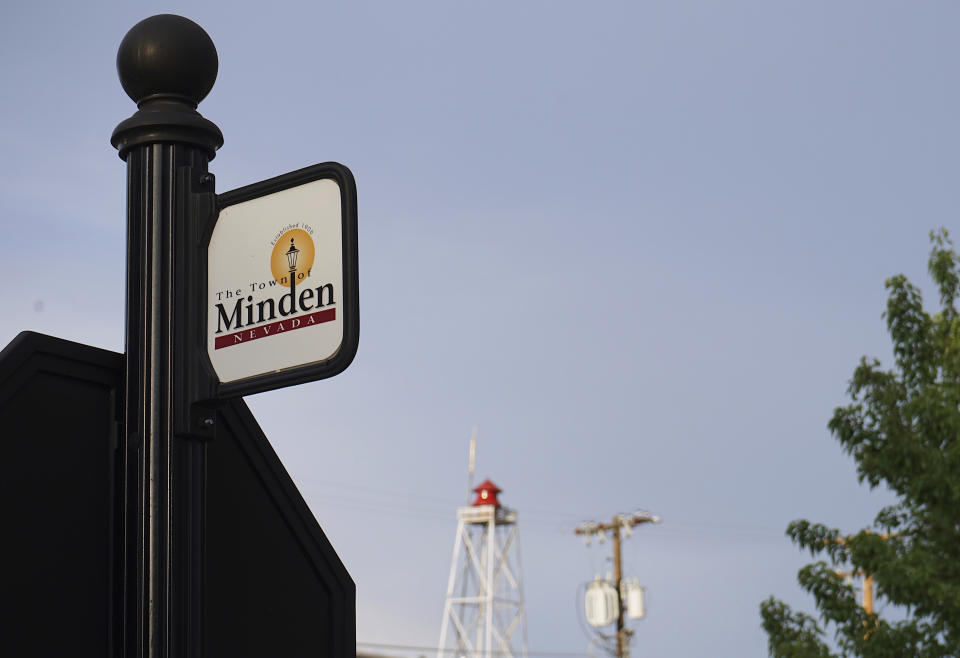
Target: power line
x,y
409,647
383,501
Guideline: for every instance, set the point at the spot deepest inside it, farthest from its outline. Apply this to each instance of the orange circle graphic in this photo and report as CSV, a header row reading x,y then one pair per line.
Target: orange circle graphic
x,y
303,252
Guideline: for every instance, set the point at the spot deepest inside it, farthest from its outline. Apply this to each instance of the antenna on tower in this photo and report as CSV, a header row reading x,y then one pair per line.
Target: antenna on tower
x,y
472,463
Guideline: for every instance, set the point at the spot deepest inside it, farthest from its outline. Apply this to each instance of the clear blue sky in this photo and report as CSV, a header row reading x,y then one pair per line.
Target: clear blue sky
x,y
641,245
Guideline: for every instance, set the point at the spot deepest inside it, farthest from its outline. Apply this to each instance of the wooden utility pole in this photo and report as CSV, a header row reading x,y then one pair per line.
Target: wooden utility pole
x,y
620,522
623,638
867,601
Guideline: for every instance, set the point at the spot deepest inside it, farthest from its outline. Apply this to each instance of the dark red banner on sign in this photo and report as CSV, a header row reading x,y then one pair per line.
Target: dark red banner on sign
x,y
275,328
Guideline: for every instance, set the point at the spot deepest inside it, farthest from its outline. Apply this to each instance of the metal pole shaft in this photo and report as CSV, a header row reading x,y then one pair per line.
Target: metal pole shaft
x,y
490,589
164,538
167,64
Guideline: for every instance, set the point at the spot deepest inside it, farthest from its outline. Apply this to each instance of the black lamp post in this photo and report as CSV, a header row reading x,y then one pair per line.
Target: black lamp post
x,y
167,65
291,255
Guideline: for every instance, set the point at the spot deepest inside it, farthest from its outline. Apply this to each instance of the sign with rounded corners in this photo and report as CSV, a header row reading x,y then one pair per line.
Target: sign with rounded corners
x,y
282,299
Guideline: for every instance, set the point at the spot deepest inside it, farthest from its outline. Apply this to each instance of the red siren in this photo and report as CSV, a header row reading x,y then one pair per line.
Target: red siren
x,y
487,494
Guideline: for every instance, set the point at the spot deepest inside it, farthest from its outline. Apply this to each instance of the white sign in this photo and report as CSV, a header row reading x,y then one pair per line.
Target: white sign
x,y
276,281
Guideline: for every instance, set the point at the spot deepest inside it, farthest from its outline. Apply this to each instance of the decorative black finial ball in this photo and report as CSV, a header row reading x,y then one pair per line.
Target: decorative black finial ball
x,y
167,55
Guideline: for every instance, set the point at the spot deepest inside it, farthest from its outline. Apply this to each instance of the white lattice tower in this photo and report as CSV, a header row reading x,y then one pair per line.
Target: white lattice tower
x,y
483,616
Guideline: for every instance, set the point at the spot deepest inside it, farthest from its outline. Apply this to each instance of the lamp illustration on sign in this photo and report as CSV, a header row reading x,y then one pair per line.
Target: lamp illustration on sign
x,y
292,253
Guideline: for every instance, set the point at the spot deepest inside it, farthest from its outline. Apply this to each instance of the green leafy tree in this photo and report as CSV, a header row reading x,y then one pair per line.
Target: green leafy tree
x,y
902,426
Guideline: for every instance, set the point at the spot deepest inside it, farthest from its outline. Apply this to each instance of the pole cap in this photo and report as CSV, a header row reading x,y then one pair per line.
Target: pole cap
x,y
167,55
167,64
